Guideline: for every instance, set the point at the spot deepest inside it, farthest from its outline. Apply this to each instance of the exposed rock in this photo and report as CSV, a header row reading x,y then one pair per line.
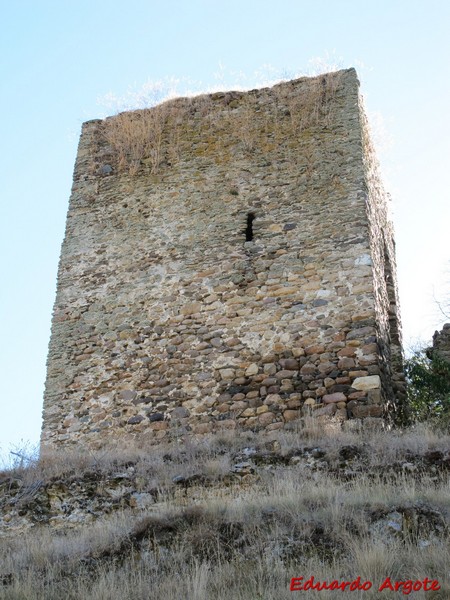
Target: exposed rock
x,y
336,397
441,343
370,382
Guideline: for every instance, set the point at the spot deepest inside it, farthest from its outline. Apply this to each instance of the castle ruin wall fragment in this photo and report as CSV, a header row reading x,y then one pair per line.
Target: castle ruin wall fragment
x,y
228,262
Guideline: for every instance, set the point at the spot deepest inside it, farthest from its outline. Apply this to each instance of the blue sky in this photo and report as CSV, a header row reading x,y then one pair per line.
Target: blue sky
x,y
61,61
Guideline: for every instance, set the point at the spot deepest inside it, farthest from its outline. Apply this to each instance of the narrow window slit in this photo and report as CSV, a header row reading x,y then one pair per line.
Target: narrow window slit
x,y
249,229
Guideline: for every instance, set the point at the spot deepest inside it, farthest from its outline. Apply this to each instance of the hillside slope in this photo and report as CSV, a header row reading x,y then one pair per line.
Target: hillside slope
x,y
231,517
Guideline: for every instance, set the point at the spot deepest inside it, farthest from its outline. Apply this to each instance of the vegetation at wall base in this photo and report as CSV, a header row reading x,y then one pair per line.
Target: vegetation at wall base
x,y
429,388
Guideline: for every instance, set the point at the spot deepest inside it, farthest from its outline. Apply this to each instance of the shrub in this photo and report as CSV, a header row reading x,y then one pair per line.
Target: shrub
x,y
428,376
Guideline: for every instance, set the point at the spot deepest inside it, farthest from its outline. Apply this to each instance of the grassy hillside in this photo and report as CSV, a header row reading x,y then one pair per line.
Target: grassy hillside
x,y
231,517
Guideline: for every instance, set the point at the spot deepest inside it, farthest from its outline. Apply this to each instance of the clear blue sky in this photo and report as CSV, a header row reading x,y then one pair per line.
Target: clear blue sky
x,y
59,60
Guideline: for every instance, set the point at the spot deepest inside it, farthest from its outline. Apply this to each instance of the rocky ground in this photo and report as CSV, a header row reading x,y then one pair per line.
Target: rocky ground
x,y
231,516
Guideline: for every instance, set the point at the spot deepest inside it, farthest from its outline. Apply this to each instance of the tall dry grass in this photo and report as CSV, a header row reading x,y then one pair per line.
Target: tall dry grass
x,y
136,135
245,537
163,134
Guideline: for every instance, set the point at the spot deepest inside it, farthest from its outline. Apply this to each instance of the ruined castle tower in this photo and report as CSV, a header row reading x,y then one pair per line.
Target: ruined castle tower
x,y
228,263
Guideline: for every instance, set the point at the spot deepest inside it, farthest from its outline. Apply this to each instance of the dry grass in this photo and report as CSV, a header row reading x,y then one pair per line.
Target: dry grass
x,y
135,136
327,514
242,123
164,134
312,106
212,455
210,554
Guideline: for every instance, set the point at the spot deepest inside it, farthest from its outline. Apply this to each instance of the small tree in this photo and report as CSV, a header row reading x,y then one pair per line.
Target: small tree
x,y
428,376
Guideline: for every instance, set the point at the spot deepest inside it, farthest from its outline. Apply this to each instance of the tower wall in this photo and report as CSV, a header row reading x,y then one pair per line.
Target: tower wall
x,y
224,265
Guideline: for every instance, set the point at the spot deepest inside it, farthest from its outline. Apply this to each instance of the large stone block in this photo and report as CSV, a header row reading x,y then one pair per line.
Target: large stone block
x,y
371,382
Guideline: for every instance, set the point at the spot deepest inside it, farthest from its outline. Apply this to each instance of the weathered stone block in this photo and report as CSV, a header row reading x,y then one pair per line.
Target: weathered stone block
x,y
328,410
290,415
367,410
252,370
370,382
336,397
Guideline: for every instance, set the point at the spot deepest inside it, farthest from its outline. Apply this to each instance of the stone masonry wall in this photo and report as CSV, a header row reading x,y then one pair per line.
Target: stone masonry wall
x,y
441,344
224,265
387,310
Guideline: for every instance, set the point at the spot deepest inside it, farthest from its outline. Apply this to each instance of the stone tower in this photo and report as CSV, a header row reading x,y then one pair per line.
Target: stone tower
x,y
227,263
